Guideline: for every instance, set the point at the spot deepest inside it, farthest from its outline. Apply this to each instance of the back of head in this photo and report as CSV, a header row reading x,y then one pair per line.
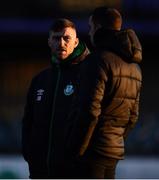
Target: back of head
x,y
62,23
109,18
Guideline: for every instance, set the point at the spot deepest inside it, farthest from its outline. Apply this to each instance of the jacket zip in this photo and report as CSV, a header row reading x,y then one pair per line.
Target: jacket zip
x,y
52,118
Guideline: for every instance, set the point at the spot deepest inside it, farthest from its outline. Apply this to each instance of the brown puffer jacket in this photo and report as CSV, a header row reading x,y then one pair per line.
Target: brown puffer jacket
x,y
109,95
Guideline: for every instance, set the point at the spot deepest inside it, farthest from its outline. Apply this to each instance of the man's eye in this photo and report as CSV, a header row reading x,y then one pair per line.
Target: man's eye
x,y
66,38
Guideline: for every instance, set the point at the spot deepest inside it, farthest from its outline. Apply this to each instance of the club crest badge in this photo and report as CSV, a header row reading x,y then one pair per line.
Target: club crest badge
x,y
40,93
69,89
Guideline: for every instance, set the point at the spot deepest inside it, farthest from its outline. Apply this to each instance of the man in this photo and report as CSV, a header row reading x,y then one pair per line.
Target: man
x,y
45,120
109,97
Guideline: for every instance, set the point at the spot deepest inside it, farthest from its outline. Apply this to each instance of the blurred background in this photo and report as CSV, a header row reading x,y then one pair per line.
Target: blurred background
x,y
24,52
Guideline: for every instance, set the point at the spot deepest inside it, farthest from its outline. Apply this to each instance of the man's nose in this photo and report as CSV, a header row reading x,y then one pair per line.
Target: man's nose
x,y
61,42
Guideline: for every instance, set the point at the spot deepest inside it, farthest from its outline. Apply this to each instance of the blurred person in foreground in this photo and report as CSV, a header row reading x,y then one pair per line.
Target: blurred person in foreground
x,y
49,99
108,101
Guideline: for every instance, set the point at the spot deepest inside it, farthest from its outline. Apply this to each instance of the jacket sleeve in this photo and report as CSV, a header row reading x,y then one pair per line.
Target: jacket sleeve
x,y
134,114
92,87
26,124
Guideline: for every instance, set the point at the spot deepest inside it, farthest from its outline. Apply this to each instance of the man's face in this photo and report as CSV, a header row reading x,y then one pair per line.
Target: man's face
x,y
92,29
62,43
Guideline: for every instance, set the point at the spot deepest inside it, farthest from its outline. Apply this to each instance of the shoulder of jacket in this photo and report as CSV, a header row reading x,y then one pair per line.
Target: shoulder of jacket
x,y
42,73
108,57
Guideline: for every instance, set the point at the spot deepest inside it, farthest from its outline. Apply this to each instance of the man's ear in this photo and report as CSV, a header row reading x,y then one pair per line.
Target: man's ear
x,y
49,39
49,42
76,42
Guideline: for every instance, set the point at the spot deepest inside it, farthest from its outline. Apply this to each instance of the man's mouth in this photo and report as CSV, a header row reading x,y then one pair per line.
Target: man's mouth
x,y
61,50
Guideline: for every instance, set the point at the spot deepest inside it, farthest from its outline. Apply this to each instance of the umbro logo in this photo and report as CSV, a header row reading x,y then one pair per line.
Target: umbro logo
x,y
40,93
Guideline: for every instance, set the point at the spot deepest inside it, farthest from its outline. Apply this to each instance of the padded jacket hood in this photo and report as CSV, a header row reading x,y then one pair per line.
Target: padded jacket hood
x,y
125,43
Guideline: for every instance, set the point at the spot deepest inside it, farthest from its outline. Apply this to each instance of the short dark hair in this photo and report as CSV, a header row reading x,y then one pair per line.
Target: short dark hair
x,y
107,17
62,23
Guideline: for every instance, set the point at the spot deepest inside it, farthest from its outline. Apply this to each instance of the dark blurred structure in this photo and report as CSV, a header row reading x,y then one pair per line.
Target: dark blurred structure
x,y
24,27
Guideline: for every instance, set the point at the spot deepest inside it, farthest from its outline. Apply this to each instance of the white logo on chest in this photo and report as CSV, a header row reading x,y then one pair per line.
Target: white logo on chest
x,y
40,93
69,89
